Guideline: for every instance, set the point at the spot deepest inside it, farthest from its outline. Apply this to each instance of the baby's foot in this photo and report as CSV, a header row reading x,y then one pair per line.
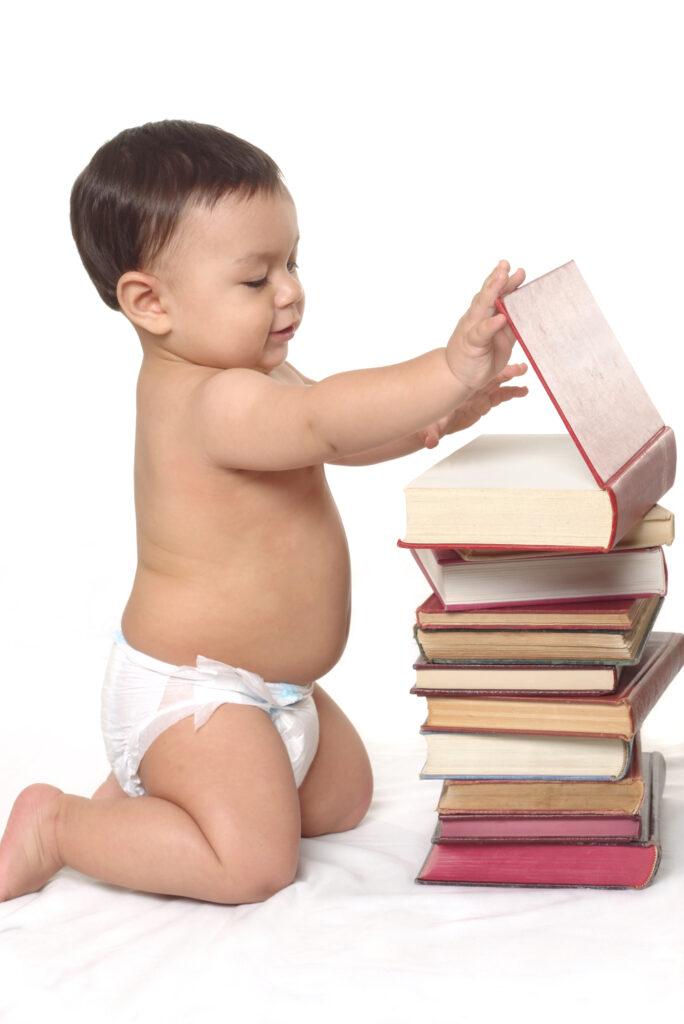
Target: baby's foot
x,y
28,850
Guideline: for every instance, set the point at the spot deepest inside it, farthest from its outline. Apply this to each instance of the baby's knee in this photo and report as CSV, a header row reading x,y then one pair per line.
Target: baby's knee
x,y
347,809
265,883
265,873
359,800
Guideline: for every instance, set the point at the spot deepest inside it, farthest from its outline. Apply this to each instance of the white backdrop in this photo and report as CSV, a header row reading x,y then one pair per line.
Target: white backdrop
x,y
421,143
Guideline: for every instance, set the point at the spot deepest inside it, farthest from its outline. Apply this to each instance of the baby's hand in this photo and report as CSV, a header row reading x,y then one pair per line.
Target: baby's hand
x,y
476,406
481,345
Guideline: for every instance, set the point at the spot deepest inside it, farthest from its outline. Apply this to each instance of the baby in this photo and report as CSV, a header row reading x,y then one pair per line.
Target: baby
x,y
242,558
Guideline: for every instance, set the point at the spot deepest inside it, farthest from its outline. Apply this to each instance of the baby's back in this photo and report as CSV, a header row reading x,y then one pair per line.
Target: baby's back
x,y
248,568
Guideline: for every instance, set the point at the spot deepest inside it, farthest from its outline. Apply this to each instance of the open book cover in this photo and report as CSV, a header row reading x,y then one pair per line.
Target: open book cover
x,y
602,402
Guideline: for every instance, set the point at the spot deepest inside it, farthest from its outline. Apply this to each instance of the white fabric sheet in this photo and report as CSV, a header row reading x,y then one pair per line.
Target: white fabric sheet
x,y
354,938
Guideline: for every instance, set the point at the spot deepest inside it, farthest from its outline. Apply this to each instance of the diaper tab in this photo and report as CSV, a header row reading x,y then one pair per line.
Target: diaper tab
x,y
238,681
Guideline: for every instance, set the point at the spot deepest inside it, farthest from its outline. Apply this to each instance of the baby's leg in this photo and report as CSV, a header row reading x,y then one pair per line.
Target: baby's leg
x,y
338,787
221,821
109,789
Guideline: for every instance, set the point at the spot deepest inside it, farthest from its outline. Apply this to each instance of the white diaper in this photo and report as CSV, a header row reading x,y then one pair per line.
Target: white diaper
x,y
142,697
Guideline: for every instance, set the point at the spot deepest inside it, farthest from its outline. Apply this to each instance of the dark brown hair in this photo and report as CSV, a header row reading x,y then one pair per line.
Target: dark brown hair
x,y
125,205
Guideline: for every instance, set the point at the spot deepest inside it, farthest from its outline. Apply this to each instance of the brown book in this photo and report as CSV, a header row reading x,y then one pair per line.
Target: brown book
x,y
440,643
619,714
533,796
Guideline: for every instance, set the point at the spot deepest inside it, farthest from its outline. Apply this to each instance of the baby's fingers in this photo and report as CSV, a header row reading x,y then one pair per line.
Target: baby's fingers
x,y
493,284
505,395
483,331
510,371
514,281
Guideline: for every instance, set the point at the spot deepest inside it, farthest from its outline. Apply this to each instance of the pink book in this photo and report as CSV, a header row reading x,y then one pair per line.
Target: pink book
x,y
603,404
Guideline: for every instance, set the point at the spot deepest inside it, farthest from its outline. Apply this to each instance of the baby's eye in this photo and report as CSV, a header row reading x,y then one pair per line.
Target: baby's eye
x,y
292,266
257,284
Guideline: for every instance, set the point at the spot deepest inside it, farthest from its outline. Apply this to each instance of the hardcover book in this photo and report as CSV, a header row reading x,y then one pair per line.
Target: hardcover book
x,y
603,404
601,614
625,645
620,714
532,796
584,489
441,678
499,755
511,828
655,529
597,863
461,584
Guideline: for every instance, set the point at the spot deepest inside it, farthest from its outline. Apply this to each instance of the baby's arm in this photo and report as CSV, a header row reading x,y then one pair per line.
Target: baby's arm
x,y
247,420
463,416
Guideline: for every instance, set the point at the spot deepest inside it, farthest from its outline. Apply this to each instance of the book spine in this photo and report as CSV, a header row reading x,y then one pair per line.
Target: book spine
x,y
641,482
661,673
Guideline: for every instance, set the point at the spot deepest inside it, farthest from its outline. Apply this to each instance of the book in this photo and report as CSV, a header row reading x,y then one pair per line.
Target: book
x,y
618,714
601,614
440,643
499,755
598,395
442,678
466,585
577,826
495,828
625,796
591,864
511,491
655,529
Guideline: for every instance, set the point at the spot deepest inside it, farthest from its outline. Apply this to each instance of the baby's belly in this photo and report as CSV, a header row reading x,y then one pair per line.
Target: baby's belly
x,y
279,607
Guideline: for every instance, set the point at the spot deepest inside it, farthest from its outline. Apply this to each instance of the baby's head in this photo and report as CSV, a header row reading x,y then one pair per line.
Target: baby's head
x,y
126,204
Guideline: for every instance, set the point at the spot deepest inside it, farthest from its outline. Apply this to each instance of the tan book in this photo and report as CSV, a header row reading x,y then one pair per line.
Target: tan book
x,y
444,678
532,796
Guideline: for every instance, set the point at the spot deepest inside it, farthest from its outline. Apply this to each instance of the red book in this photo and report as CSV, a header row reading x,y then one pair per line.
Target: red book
x,y
603,404
537,828
619,613
593,864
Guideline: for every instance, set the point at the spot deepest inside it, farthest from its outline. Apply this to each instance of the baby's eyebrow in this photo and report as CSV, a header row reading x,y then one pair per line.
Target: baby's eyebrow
x,y
260,255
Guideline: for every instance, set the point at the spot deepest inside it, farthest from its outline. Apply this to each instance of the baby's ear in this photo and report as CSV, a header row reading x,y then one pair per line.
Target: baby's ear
x,y
139,297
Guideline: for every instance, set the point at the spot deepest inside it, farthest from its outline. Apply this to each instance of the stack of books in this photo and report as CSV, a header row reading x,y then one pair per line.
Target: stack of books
x,y
537,654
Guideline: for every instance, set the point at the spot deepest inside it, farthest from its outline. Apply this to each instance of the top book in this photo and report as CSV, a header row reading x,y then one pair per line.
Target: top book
x,y
584,491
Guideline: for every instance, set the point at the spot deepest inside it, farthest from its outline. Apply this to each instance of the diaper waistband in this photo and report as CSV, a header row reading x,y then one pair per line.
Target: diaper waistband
x,y
217,675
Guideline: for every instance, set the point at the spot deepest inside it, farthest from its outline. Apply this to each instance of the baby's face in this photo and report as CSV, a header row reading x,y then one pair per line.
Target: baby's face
x,y
229,283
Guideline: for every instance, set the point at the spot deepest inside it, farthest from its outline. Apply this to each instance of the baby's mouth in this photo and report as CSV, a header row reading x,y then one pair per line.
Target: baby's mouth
x,y
285,334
